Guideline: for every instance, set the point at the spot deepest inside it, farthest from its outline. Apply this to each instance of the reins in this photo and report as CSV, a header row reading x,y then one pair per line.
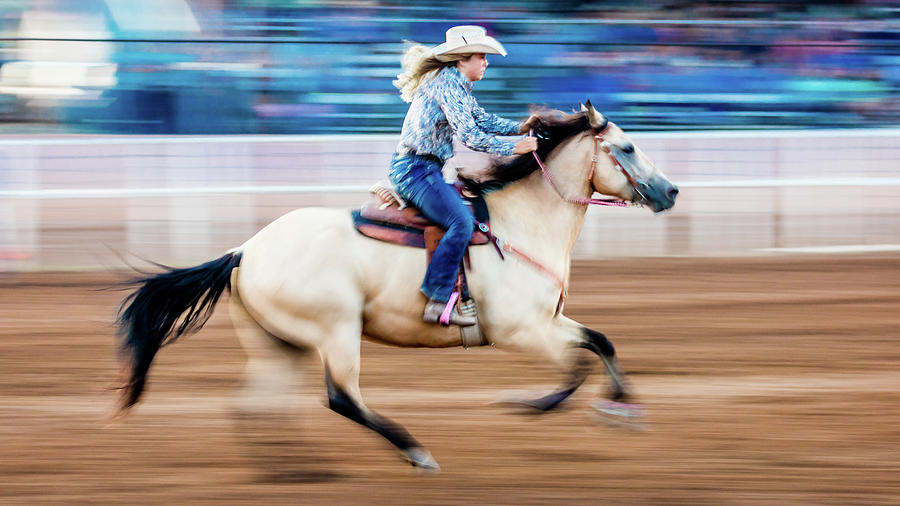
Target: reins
x,y
502,245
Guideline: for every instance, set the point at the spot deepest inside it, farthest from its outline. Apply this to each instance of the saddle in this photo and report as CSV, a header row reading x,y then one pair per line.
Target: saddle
x,y
386,217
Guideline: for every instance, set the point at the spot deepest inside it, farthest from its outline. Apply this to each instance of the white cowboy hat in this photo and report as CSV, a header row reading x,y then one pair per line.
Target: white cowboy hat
x,y
467,39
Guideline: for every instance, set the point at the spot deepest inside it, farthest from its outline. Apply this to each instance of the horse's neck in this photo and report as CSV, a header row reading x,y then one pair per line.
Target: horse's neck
x,y
536,220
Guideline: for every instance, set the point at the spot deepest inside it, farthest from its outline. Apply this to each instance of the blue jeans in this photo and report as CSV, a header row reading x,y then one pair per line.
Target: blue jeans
x,y
418,179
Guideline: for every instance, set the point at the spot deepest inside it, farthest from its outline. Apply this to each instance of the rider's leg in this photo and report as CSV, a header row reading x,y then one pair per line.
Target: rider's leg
x,y
423,185
442,204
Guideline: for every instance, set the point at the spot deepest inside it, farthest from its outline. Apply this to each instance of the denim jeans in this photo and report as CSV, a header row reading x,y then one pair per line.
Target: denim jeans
x,y
418,179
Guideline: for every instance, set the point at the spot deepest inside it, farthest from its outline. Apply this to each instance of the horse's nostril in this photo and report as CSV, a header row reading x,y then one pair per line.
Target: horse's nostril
x,y
673,192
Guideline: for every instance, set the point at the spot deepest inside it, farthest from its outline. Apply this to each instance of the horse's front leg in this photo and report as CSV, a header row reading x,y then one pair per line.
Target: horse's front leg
x,y
599,344
565,344
578,369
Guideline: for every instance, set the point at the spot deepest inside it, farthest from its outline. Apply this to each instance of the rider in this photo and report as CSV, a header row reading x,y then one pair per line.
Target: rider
x,y
437,82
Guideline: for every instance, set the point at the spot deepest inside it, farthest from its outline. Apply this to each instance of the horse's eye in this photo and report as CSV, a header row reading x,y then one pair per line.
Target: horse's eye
x,y
628,148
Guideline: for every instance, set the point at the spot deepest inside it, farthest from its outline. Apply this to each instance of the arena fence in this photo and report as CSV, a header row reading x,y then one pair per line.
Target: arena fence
x,y
76,202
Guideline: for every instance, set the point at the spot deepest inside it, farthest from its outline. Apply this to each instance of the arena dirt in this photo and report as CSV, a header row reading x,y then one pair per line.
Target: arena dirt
x,y
765,380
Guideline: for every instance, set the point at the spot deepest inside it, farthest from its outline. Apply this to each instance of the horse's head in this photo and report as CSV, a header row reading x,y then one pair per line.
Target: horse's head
x,y
585,152
621,169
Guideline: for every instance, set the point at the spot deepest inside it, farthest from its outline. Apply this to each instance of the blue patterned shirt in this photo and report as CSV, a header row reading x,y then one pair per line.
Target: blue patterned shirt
x,y
443,107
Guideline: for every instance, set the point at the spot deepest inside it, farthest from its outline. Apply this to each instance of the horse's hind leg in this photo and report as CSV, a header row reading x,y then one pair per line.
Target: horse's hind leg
x,y
272,370
341,359
264,411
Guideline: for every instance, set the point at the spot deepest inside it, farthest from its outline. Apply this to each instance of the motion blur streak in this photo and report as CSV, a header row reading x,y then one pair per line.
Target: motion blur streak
x,y
280,66
757,319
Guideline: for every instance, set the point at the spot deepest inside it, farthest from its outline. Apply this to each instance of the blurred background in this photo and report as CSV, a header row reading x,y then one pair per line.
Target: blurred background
x,y
179,127
293,66
760,338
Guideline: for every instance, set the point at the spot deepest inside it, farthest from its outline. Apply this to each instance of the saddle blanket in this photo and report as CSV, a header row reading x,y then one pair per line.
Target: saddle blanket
x,y
383,218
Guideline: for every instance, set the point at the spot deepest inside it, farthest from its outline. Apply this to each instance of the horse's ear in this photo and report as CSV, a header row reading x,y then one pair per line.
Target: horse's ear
x,y
596,119
581,107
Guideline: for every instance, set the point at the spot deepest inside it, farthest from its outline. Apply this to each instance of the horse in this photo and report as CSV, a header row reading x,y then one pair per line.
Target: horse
x,y
308,282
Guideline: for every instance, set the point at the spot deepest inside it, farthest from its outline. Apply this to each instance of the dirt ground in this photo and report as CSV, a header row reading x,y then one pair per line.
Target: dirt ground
x,y
765,380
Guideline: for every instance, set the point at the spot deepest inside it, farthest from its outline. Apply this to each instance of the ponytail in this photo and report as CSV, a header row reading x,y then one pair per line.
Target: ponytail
x,y
418,65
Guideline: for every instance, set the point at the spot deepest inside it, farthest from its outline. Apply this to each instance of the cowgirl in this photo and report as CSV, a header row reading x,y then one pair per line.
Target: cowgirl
x,y
437,82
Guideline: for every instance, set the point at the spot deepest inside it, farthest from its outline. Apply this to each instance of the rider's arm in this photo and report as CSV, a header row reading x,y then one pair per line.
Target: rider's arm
x,y
458,106
493,124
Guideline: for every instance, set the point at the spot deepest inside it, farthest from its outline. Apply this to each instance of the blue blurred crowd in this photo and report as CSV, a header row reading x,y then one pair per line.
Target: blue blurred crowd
x,y
253,66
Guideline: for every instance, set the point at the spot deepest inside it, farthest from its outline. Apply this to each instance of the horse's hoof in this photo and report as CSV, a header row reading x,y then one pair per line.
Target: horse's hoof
x,y
619,414
421,458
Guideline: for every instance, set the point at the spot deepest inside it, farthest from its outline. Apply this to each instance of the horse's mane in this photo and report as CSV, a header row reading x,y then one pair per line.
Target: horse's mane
x,y
553,128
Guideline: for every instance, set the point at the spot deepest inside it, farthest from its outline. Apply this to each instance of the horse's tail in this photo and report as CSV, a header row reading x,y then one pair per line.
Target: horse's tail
x,y
165,307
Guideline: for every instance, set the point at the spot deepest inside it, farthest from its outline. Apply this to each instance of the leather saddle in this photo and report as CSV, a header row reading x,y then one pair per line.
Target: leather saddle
x,y
386,217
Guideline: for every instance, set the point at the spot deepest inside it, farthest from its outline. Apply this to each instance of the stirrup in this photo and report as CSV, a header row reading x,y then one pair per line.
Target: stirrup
x,y
471,335
449,316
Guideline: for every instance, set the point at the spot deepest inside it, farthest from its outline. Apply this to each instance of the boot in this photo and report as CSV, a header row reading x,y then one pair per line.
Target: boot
x,y
435,308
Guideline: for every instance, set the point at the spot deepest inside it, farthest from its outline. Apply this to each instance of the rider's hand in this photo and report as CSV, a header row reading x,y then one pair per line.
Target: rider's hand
x,y
526,145
529,123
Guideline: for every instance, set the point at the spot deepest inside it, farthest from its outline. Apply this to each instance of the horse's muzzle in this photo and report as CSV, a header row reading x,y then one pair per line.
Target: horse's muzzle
x,y
660,194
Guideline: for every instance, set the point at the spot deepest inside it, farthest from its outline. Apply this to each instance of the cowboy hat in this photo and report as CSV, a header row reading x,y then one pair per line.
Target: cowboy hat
x,y
467,39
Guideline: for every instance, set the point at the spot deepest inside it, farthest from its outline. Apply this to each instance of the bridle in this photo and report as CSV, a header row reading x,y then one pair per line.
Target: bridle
x,y
599,145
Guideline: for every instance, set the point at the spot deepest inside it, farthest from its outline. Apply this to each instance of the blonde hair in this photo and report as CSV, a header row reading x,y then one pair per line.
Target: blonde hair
x,y
419,65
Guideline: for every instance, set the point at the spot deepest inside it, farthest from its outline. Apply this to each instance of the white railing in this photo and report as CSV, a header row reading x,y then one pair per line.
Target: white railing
x,y
74,201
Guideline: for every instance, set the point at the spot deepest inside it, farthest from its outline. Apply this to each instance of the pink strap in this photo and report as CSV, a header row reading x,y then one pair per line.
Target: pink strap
x,y
445,316
496,241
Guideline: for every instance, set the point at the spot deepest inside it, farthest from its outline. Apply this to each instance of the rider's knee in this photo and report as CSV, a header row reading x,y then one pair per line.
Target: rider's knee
x,y
462,224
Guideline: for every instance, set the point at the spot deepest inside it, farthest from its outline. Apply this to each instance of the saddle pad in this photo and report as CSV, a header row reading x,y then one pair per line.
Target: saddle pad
x,y
382,218
388,232
384,208
402,234
375,210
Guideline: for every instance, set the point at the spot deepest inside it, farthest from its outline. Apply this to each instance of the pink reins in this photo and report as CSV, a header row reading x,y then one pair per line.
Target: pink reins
x,y
563,292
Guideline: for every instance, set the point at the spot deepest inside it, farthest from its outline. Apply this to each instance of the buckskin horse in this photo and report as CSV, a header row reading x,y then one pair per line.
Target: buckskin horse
x,y
309,281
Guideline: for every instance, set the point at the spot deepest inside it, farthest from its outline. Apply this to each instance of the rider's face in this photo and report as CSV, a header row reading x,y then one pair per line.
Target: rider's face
x,y
473,67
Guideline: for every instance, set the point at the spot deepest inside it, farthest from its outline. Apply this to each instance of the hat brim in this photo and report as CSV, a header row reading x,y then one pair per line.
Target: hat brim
x,y
487,45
